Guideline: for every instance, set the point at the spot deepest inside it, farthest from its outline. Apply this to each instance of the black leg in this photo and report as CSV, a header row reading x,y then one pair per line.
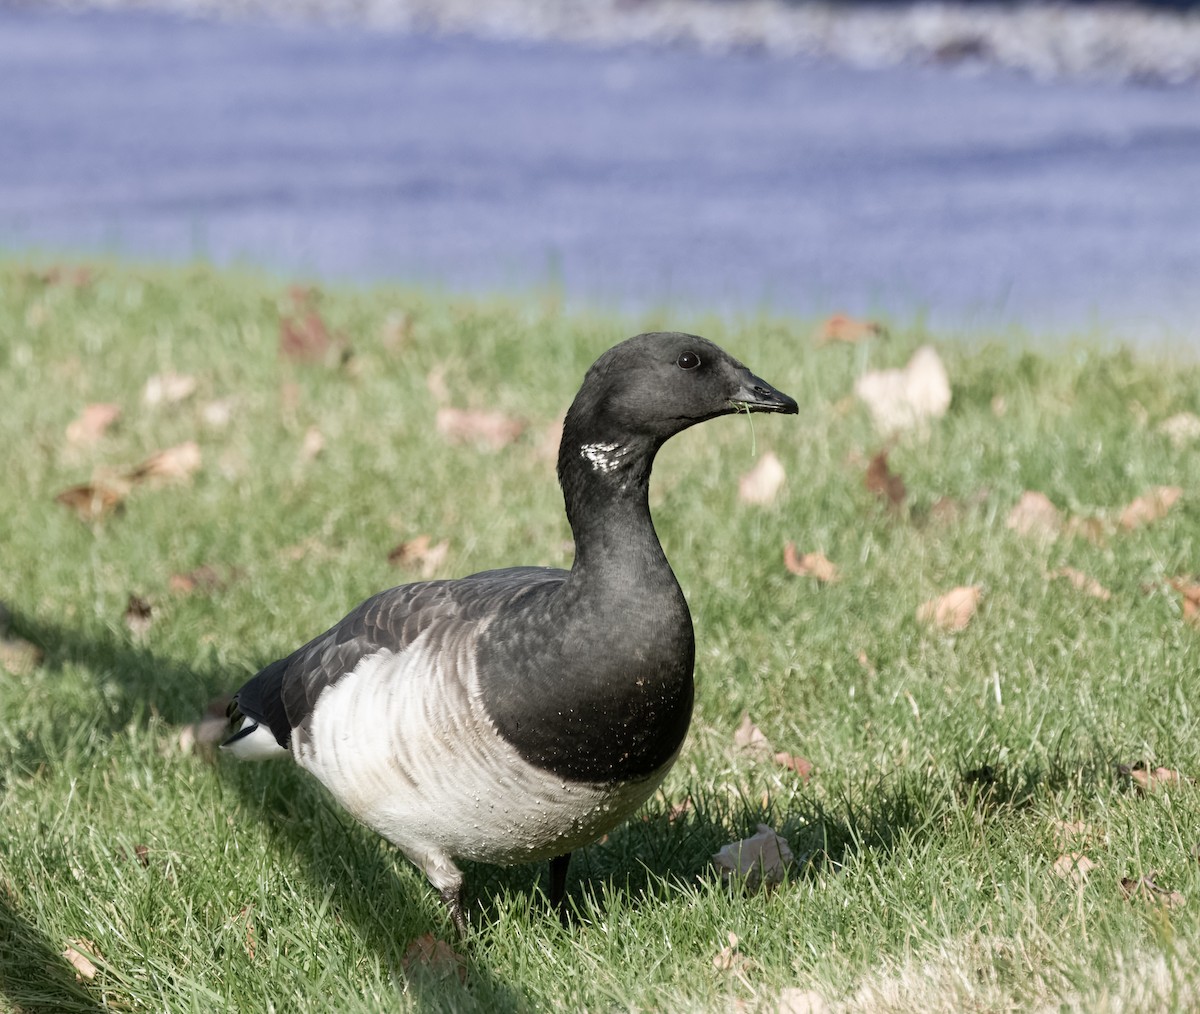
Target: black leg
x,y
453,897
558,885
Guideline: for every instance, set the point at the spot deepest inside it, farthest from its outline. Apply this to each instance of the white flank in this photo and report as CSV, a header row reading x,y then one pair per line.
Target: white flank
x,y
258,744
403,743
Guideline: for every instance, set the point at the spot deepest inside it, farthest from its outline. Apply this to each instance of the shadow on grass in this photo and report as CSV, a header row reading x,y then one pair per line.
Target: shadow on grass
x,y
357,875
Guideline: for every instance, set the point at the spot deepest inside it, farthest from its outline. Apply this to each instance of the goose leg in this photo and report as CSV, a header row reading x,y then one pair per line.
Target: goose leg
x,y
453,897
558,885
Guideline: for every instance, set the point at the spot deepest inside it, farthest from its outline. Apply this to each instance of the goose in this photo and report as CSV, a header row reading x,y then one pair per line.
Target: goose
x,y
516,715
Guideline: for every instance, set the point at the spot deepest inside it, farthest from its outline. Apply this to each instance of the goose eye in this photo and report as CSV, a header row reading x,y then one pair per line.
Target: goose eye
x,y
687,361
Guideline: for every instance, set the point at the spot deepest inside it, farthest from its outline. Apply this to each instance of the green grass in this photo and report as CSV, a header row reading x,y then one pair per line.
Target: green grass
x,y
926,836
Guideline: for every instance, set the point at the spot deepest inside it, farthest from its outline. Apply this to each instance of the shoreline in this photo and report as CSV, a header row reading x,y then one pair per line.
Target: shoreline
x,y
1110,42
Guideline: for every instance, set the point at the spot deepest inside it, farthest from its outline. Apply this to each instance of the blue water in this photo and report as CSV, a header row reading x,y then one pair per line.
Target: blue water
x,y
630,178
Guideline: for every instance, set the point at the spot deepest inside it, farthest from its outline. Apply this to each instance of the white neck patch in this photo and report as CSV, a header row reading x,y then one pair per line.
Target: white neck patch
x,y
604,458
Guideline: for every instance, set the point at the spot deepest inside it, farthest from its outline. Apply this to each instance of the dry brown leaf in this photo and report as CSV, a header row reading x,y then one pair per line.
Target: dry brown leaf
x,y
490,429
304,336
801,1001
93,422
1190,591
429,955
139,615
1181,429
1034,515
1095,530
809,564
202,734
909,397
1081,582
1150,506
1073,866
1147,779
79,953
205,578
168,388
749,738
18,656
67,276
419,554
1068,831
793,762
730,959
757,861
1145,889
952,611
883,482
175,464
91,501
762,483
841,328
249,944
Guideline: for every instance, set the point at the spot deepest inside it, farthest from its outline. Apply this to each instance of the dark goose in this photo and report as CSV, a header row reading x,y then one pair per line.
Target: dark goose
x,y
519,714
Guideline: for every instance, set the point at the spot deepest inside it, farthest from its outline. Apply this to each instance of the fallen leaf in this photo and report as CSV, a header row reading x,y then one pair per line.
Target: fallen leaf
x,y
79,953
730,959
91,501
175,464
93,422
202,734
491,429
168,389
249,944
749,738
883,482
909,397
18,656
1068,831
1190,591
801,765
1181,429
1073,866
65,275
1145,889
205,578
304,336
757,861
1147,779
801,1001
1150,506
1034,515
1081,582
761,484
139,615
679,810
427,954
419,554
313,444
841,328
809,564
952,611
1092,529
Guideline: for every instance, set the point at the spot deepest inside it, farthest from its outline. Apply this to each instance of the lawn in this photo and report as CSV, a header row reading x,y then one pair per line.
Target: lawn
x,y
982,827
